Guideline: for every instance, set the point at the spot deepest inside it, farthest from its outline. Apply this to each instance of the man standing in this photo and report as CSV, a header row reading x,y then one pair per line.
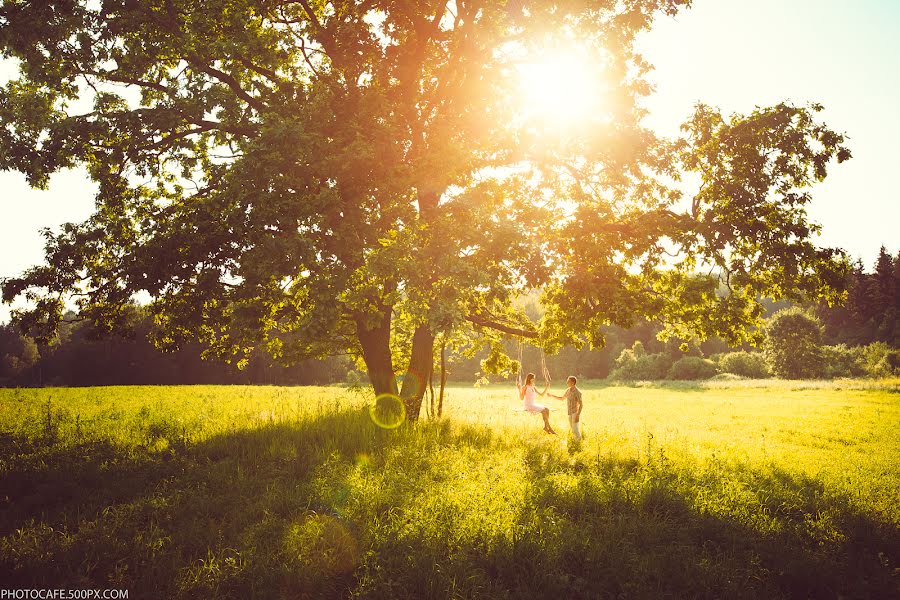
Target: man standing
x,y
572,396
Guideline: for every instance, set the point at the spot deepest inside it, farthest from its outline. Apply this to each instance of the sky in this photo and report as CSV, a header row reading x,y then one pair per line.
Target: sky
x,y
736,55
732,54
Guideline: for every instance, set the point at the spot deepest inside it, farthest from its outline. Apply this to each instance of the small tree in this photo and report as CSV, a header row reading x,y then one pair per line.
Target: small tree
x,y
746,364
17,355
692,367
793,344
843,361
635,364
637,349
883,296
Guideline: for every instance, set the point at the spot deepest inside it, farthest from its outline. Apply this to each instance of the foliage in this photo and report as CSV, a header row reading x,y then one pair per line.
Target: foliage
x,y
746,364
241,492
843,361
634,364
637,351
881,360
17,354
726,377
793,344
870,313
692,367
314,178
83,356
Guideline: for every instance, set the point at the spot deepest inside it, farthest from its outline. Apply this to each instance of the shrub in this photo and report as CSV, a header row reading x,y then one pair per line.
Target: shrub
x,y
793,344
842,361
692,367
353,378
634,365
880,360
629,355
746,364
727,377
638,349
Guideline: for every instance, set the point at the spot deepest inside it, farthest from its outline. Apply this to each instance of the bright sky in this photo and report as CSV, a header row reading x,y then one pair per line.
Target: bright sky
x,y
732,54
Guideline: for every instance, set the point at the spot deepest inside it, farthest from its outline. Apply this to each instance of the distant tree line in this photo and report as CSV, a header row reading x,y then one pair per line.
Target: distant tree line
x,y
871,312
793,348
869,320
83,356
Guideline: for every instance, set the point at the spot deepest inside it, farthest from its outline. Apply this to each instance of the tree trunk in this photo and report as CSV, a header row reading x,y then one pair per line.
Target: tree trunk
x,y
420,363
443,378
376,350
430,402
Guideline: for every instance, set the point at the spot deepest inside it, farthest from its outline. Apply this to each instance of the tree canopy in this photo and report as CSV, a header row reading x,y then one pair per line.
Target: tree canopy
x,y
314,177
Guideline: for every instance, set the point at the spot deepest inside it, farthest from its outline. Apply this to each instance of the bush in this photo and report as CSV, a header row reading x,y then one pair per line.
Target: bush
x,y
634,364
842,361
746,364
793,344
692,367
353,378
880,360
727,377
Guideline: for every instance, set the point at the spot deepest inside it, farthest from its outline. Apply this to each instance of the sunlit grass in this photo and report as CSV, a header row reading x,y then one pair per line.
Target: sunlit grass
x,y
721,489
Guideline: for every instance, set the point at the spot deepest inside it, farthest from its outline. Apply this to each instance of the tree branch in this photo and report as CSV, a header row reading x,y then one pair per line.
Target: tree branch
x,y
231,82
202,127
267,73
483,322
153,85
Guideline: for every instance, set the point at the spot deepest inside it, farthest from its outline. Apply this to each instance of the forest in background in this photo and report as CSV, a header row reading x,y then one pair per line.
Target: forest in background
x,y
83,356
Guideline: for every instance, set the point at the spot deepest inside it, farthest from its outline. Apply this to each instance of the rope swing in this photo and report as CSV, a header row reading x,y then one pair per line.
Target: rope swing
x,y
529,405
545,372
519,375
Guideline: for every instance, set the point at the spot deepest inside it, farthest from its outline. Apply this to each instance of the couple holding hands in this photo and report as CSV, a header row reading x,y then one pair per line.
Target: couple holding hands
x,y
572,395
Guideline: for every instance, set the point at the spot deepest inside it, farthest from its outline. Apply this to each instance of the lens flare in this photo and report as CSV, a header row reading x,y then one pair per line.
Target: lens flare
x,y
388,411
413,379
322,543
363,460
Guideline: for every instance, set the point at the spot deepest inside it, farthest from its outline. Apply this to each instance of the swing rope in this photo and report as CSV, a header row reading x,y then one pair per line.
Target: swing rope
x,y
545,372
519,374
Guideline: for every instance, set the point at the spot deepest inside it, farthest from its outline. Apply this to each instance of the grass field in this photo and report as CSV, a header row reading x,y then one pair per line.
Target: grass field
x,y
717,490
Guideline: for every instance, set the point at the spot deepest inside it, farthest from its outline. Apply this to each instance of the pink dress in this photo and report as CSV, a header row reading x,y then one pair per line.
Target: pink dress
x,y
530,395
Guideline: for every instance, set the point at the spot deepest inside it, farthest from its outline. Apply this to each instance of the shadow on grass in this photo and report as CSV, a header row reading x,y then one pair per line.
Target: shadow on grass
x,y
336,507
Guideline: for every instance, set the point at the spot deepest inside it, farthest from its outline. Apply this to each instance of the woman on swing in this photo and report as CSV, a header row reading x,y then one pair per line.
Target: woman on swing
x,y
527,394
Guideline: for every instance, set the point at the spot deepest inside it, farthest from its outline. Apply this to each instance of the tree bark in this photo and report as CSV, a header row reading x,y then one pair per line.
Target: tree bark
x,y
431,391
440,410
376,350
420,363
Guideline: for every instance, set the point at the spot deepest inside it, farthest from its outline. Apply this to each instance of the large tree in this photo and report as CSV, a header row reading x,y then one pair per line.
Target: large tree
x,y
321,176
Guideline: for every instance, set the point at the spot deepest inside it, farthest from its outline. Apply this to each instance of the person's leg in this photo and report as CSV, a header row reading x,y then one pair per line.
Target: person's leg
x,y
576,427
546,414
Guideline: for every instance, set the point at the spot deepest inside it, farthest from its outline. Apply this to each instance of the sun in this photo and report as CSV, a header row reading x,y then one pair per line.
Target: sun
x,y
561,86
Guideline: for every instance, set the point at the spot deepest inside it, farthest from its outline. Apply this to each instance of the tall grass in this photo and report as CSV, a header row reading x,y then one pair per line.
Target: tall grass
x,y
713,490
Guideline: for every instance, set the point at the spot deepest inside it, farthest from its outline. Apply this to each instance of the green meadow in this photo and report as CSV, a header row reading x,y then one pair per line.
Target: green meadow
x,y
730,489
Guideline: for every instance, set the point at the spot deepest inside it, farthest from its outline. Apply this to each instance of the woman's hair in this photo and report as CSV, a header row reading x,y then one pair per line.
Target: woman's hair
x,y
529,378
